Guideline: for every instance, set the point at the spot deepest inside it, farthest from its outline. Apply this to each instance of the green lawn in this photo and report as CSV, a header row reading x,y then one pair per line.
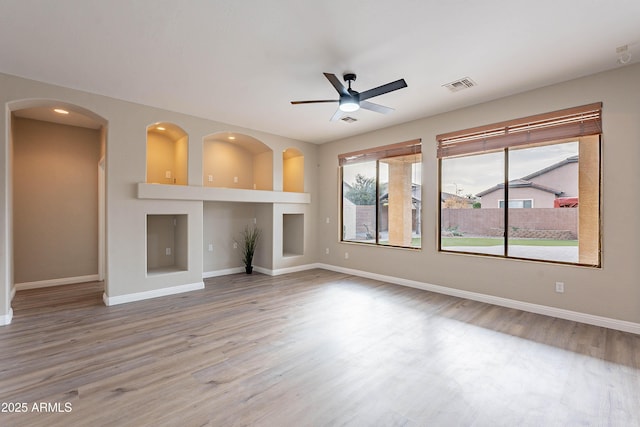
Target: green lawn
x,y
496,241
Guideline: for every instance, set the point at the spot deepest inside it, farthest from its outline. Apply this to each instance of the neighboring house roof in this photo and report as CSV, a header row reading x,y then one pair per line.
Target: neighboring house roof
x,y
521,183
572,159
525,180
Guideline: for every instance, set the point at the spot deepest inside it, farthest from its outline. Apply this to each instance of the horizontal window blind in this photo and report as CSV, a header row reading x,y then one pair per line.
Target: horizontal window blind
x,y
569,123
373,154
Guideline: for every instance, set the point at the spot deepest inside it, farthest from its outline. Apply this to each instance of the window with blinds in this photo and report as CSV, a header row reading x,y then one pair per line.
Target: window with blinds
x,y
381,197
527,188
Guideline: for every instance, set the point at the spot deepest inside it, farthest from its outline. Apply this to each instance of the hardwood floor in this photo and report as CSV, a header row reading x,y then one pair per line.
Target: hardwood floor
x,y
315,348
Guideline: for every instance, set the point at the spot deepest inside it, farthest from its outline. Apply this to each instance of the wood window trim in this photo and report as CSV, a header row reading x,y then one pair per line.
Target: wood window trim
x,y
568,123
372,154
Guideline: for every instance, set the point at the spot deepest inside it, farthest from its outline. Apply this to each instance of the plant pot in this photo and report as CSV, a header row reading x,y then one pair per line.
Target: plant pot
x,y
248,269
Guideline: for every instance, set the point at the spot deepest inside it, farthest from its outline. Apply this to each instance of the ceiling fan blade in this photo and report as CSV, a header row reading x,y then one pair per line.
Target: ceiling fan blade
x,y
336,116
313,102
389,87
376,107
336,83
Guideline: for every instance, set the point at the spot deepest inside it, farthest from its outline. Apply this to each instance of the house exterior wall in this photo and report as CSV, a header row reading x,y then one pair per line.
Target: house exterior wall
x,y
541,199
563,178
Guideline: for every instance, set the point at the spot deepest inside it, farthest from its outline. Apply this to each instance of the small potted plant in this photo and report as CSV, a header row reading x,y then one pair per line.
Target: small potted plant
x,y
250,237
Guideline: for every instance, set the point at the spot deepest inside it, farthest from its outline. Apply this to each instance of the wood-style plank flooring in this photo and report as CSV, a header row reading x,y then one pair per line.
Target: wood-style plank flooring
x,y
314,348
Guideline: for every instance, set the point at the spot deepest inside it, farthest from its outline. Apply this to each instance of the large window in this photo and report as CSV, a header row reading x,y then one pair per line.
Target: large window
x,y
528,188
382,195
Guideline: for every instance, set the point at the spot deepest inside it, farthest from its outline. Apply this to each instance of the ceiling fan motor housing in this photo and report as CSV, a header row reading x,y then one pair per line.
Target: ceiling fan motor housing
x,y
349,102
349,77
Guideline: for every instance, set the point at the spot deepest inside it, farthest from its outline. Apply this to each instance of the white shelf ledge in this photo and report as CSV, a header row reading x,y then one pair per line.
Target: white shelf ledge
x,y
213,194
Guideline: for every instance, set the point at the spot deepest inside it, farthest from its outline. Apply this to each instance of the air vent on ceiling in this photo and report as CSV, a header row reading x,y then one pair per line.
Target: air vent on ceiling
x,y
349,119
460,84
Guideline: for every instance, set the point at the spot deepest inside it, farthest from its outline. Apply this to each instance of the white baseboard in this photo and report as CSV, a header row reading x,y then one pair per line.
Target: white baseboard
x,y
6,318
259,269
139,296
606,322
56,282
225,272
286,270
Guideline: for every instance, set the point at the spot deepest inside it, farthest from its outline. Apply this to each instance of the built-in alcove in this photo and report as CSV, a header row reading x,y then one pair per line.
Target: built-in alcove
x,y
293,170
233,160
292,234
57,180
167,243
167,154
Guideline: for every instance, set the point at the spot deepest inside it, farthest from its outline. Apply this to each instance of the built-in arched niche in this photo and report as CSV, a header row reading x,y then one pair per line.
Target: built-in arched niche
x,y
293,170
167,154
235,160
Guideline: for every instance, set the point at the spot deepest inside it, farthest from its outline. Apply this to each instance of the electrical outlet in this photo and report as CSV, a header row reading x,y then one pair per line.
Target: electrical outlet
x,y
326,251
210,247
235,179
560,287
210,178
167,251
235,245
167,174
346,255
328,220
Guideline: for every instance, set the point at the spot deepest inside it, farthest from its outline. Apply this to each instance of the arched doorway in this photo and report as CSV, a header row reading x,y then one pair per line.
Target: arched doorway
x,y
58,202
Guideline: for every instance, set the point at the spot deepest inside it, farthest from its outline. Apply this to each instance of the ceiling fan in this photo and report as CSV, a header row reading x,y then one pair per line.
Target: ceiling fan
x,y
351,100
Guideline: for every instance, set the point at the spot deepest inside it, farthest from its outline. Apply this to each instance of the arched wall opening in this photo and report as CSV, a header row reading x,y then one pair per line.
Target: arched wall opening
x,y
58,194
235,160
167,154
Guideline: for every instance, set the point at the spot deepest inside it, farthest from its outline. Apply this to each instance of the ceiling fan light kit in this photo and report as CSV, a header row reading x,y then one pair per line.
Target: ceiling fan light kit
x,y
349,104
351,100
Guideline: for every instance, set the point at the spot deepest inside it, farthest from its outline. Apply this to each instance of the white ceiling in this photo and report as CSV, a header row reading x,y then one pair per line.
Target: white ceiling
x,y
242,62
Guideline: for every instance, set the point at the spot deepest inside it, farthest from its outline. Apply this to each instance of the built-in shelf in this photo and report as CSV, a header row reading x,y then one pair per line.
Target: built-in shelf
x,y
292,235
166,244
167,154
293,170
234,160
213,194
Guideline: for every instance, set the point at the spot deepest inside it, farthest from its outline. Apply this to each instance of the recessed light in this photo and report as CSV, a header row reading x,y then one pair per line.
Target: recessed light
x,y
60,111
160,128
231,137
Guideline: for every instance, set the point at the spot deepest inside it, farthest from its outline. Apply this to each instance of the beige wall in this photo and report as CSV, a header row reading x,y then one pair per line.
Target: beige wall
x,y
165,154
616,282
55,207
293,174
226,161
126,267
182,160
167,232
223,225
263,171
